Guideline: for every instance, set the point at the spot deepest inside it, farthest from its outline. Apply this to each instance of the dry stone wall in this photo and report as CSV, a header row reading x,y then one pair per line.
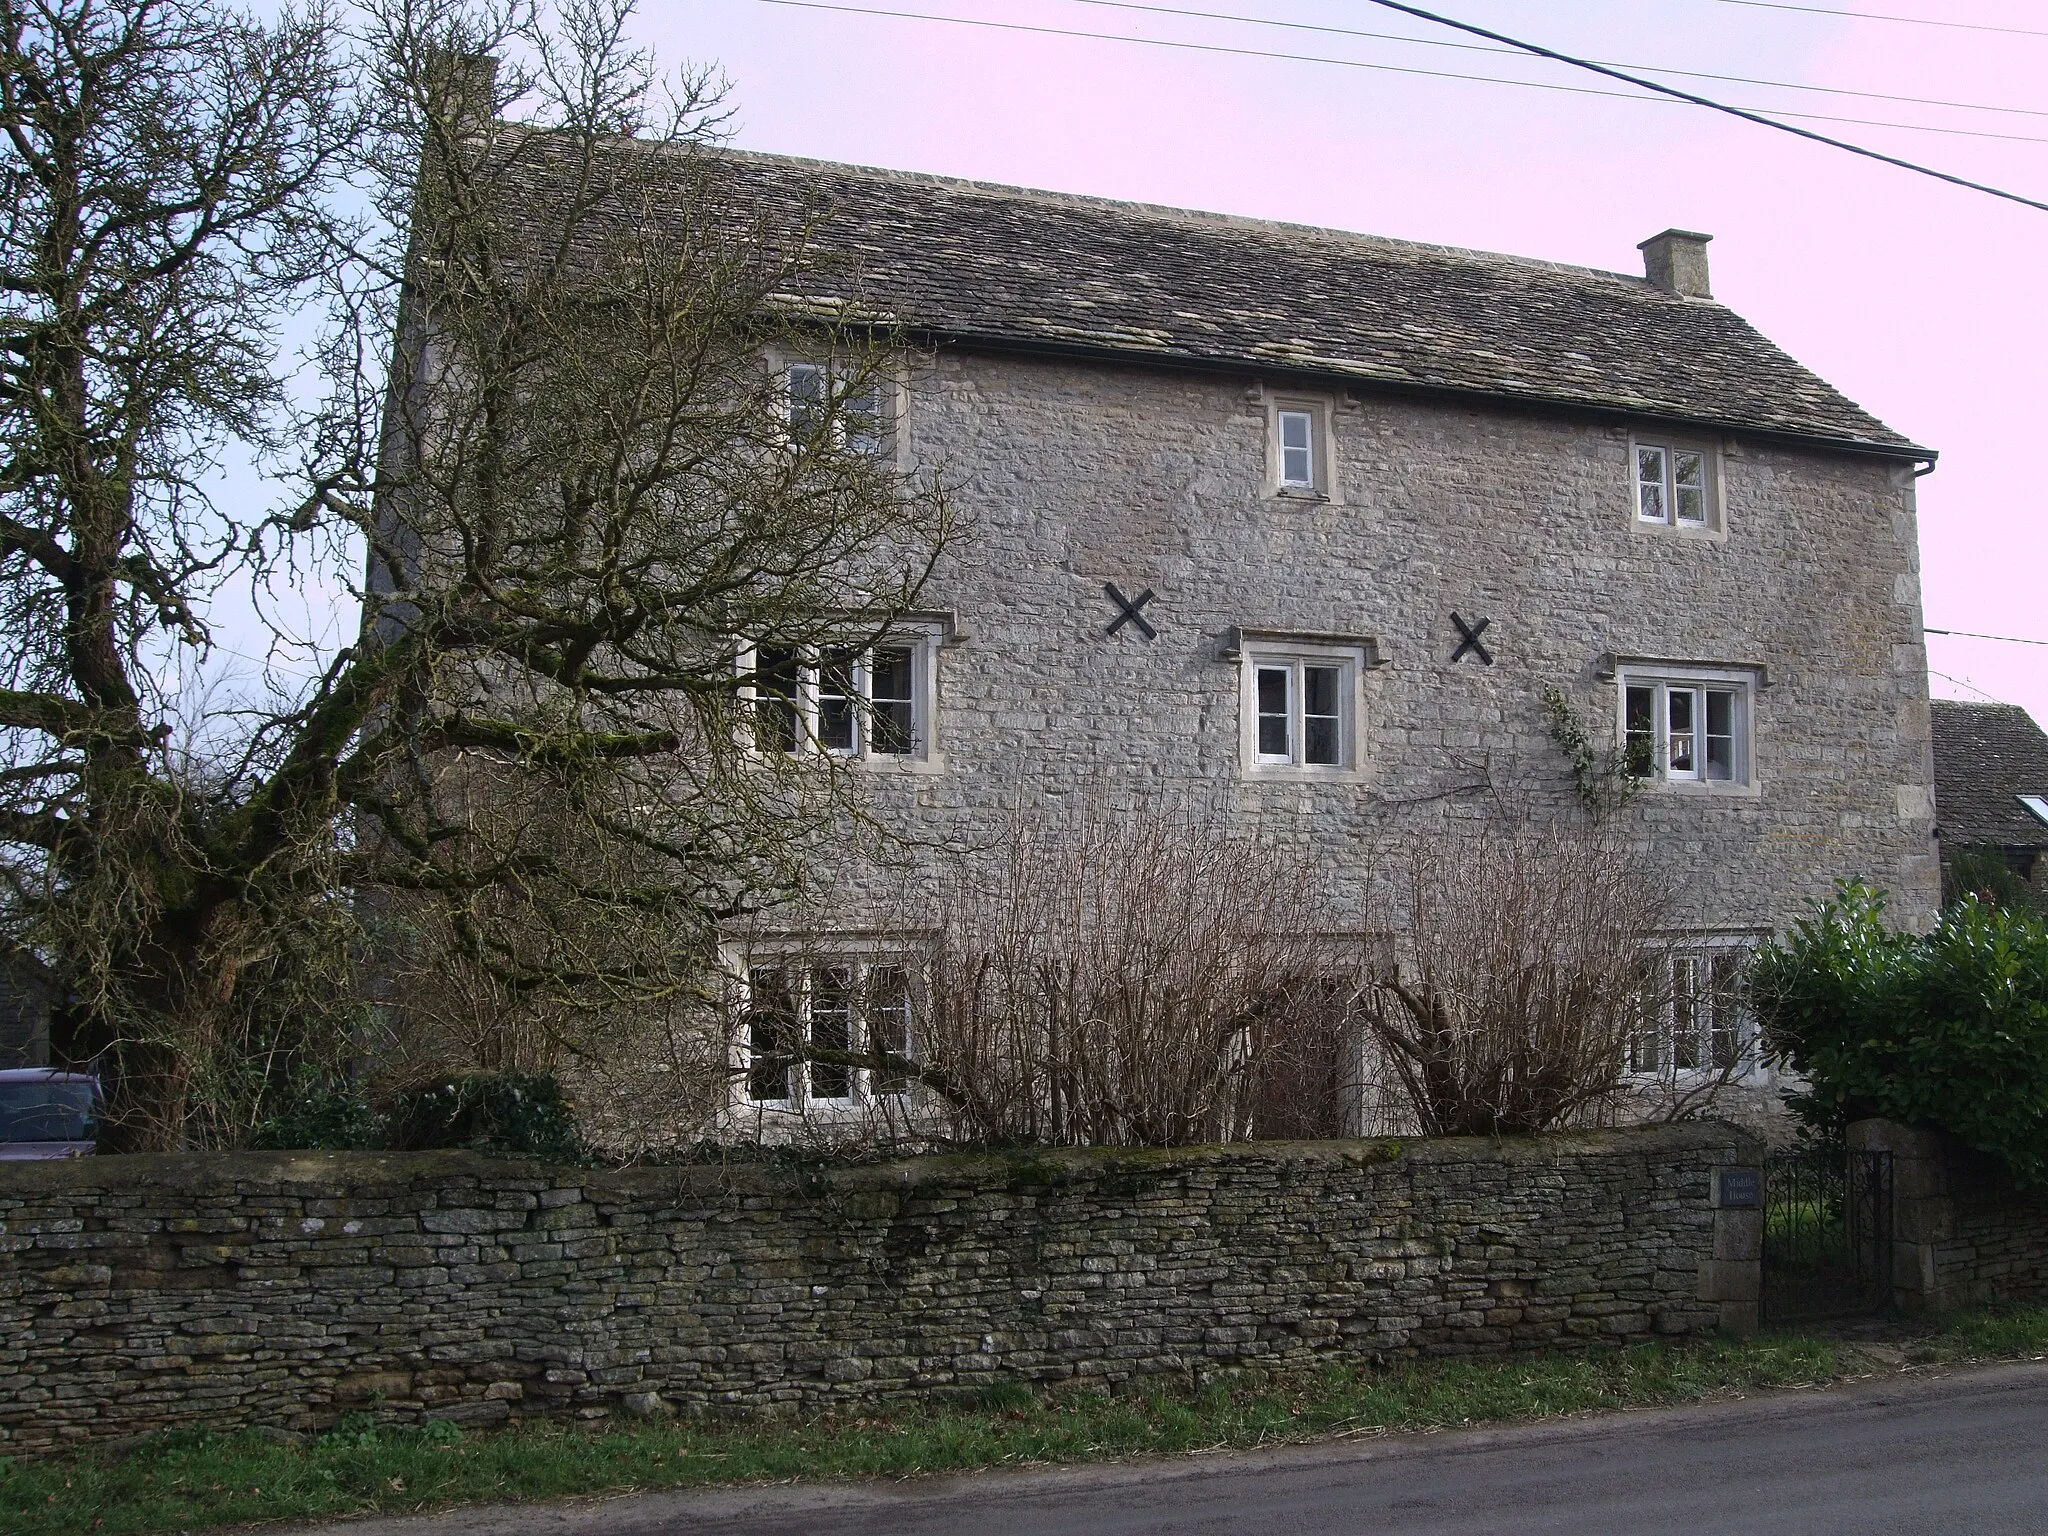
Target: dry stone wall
x,y
285,1290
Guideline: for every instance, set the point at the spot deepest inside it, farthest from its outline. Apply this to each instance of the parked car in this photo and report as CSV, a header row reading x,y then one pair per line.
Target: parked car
x,y
45,1113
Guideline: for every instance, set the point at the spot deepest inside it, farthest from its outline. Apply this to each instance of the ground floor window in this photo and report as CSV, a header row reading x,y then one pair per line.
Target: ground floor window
x,y
805,1024
1694,1014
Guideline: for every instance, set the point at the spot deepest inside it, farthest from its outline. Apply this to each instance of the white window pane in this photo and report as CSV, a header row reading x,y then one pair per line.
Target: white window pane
x,y
865,417
1650,501
1297,448
1321,715
1725,1027
1645,1052
1681,733
806,399
771,1034
1685,1014
778,673
1639,726
1275,739
836,701
888,1020
892,727
1721,734
831,1025
1689,477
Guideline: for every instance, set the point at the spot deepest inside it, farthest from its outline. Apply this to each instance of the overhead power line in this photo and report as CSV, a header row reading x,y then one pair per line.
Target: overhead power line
x,y
1971,634
1905,21
1444,74
1662,69
1707,101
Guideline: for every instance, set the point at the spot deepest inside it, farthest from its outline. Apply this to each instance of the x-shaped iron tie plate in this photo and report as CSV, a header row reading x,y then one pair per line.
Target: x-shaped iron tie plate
x,y
1469,639
1129,607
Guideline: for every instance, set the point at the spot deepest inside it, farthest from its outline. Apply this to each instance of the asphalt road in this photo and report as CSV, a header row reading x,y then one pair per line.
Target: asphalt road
x,y
1957,1455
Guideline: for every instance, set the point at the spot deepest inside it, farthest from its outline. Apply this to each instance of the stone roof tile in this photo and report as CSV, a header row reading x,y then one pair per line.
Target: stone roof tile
x,y
1985,757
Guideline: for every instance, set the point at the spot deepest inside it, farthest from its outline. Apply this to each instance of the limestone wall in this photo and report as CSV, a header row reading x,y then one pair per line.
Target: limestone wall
x,y
1963,1234
285,1289
1069,475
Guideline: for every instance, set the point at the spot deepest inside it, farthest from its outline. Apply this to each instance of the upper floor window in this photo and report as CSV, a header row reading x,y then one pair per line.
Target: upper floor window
x,y
874,703
1298,449
1675,486
1688,729
860,411
1299,707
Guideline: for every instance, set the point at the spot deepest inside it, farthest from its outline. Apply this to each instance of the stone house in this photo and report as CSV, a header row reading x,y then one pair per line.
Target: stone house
x,y
1302,525
1305,522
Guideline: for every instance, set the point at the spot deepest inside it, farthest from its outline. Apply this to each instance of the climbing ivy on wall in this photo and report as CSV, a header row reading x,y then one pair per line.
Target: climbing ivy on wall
x,y
1606,779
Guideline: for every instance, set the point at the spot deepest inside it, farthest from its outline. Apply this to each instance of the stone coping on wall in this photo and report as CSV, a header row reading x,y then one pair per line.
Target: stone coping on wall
x,y
214,1172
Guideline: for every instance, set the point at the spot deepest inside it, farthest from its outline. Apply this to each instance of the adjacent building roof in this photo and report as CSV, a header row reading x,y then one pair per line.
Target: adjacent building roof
x,y
973,262
1985,757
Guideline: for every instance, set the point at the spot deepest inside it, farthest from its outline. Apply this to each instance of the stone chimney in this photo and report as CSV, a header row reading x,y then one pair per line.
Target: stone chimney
x,y
461,87
1676,261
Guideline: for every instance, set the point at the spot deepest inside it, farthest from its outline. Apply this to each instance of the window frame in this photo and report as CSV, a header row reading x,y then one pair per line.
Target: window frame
x,y
1712,523
921,639
1258,657
1697,684
860,964
1316,409
1694,955
888,393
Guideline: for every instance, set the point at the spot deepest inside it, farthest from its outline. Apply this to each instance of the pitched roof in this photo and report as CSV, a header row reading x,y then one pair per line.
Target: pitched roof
x,y
971,262
1985,757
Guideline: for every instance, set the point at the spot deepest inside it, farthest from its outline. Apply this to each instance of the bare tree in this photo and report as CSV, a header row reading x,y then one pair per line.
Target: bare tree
x,y
1120,980
546,411
1529,955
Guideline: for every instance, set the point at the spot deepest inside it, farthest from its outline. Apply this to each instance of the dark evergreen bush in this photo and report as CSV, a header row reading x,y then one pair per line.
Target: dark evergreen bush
x,y
507,1114
320,1112
1988,875
513,1114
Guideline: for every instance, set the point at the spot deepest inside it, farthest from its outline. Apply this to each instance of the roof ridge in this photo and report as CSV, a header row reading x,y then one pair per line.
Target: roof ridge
x,y
1175,212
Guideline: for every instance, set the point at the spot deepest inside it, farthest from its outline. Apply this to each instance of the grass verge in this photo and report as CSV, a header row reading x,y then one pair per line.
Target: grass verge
x,y
180,1482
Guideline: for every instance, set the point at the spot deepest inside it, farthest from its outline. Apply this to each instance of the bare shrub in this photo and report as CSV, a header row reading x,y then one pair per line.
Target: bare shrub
x,y
1529,956
1137,981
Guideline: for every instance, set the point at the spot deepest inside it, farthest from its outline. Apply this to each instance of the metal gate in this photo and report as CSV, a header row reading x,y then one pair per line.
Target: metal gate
x,y
1827,1235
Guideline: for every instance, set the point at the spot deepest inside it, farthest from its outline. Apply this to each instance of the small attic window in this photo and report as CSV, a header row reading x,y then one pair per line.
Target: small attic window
x,y
2038,804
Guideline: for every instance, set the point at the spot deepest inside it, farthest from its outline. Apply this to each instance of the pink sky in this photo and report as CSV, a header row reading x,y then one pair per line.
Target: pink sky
x,y
1921,301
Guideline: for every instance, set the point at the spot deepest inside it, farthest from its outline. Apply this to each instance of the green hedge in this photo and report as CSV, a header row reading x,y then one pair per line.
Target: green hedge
x,y
1944,1029
517,1114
